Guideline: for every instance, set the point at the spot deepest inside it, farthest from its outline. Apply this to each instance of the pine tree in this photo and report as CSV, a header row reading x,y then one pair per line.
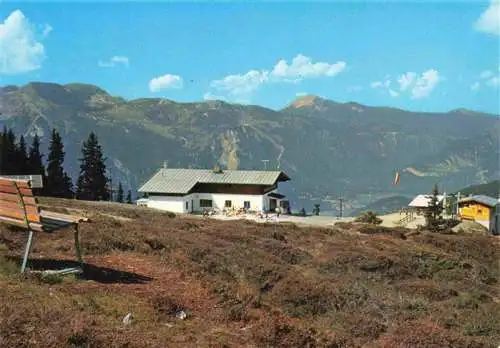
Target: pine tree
x,y
35,161
22,155
69,191
129,197
11,161
119,199
58,182
92,181
3,151
433,214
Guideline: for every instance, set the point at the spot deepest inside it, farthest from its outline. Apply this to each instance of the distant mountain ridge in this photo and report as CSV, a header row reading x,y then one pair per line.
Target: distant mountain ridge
x,y
491,189
328,148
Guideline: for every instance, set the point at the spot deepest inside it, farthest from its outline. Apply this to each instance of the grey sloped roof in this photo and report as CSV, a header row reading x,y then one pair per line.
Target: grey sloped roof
x,y
486,200
173,180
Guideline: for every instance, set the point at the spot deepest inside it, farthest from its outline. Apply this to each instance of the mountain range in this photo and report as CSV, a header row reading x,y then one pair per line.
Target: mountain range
x,y
329,149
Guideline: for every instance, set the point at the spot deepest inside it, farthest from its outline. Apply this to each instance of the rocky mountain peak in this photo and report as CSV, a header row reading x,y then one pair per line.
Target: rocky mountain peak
x,y
306,101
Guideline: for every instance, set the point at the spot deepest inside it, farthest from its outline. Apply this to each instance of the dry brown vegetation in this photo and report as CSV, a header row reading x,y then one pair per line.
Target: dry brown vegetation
x,y
248,284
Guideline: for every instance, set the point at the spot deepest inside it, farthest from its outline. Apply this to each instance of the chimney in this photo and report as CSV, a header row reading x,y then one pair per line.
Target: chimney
x,y
217,169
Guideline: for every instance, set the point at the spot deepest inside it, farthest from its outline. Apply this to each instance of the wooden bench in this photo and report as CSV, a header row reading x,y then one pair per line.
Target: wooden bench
x,y
19,207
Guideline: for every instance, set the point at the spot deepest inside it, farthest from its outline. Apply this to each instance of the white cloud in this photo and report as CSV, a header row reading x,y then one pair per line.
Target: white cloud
x,y
165,82
393,93
241,85
300,68
425,84
418,86
486,74
493,82
114,61
20,52
47,29
380,84
489,78
406,80
489,20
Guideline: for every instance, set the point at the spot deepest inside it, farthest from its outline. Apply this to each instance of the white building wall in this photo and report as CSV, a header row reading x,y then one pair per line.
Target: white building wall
x,y
219,200
191,203
167,203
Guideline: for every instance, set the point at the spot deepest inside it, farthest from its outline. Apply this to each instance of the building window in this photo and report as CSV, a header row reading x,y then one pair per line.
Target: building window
x,y
246,204
187,205
227,204
205,203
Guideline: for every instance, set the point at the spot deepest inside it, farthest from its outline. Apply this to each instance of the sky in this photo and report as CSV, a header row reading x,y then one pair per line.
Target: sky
x,y
416,55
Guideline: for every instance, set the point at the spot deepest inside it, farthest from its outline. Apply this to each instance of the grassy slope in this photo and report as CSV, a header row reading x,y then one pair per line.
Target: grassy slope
x,y
491,189
384,206
244,284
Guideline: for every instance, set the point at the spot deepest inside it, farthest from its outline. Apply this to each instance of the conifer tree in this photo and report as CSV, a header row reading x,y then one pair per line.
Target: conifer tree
x,y
433,214
92,181
11,160
119,197
58,182
69,190
22,155
3,151
129,197
35,163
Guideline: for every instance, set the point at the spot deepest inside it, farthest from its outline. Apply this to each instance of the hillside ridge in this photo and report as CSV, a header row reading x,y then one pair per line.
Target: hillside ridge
x,y
325,146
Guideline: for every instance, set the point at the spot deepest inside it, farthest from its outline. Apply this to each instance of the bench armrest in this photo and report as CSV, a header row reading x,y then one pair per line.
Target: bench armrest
x,y
63,217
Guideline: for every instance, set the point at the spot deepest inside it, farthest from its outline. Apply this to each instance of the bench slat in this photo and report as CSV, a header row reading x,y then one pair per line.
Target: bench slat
x,y
20,223
46,225
17,207
19,214
12,197
11,189
20,183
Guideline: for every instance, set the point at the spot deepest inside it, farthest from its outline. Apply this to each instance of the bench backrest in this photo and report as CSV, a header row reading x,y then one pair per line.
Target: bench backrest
x,y
18,206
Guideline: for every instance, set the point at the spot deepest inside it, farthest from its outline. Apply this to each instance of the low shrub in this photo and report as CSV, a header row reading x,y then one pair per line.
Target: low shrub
x,y
369,217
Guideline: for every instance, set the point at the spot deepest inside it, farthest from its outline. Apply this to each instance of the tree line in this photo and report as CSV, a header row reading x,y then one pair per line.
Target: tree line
x,y
92,184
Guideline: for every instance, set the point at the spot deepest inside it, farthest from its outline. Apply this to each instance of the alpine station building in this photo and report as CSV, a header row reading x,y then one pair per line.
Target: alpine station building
x,y
194,190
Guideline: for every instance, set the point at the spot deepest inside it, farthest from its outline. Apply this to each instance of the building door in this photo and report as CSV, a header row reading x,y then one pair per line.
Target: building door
x,y
272,204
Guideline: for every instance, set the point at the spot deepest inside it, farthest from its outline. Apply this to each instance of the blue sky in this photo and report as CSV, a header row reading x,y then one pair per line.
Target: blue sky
x,y
420,55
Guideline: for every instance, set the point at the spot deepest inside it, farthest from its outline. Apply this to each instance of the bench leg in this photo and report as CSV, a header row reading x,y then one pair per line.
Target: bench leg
x,y
27,251
77,247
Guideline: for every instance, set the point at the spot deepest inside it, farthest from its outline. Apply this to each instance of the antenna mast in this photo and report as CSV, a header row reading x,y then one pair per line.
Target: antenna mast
x,y
265,163
341,200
